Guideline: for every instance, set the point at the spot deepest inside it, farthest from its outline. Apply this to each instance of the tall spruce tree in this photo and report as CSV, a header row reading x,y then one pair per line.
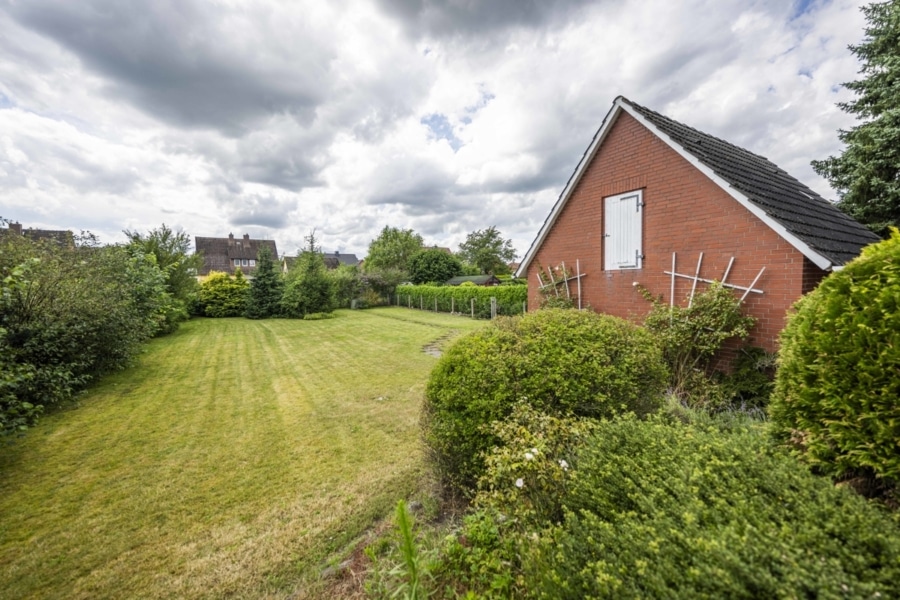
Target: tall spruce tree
x,y
265,289
866,175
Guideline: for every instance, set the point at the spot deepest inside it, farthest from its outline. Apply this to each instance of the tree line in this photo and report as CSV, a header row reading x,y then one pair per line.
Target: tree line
x,y
309,290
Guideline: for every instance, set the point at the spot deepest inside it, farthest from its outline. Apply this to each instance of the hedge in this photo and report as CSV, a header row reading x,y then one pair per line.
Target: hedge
x,y
510,298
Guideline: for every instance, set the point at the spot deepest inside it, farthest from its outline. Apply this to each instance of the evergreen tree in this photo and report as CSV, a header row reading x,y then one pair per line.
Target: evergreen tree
x,y
308,289
265,289
867,174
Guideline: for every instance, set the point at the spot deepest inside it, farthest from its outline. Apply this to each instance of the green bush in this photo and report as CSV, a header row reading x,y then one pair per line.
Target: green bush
x,y
562,362
667,510
68,315
837,386
224,296
521,492
692,336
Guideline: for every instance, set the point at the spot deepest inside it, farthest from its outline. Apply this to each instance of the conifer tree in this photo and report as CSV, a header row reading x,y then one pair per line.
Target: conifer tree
x,y
866,175
308,289
265,289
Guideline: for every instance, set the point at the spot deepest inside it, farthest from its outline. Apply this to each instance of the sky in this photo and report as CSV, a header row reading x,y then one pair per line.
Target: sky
x,y
446,117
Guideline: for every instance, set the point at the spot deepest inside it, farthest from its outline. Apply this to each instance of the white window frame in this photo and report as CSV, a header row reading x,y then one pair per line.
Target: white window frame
x,y
252,262
623,216
237,262
245,263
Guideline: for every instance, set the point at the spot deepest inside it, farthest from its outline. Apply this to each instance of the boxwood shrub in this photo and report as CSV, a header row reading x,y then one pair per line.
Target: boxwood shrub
x,y
562,362
836,390
668,510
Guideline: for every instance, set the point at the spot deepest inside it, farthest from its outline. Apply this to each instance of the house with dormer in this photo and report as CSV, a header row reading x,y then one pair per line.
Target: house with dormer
x,y
226,255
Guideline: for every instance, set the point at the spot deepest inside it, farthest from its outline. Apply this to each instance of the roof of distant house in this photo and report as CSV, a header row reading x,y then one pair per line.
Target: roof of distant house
x,y
219,253
476,279
63,237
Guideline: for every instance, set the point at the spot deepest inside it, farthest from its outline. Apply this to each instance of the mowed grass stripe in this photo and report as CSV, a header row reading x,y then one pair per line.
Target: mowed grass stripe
x,y
228,463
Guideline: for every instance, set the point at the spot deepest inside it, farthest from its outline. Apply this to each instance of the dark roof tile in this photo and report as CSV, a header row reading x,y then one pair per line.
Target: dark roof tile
x,y
801,211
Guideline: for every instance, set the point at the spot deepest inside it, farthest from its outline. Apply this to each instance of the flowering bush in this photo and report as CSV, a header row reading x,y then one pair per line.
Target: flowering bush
x,y
520,494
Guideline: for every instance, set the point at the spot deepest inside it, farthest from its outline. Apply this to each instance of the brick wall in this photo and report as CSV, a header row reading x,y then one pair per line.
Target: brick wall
x,y
684,212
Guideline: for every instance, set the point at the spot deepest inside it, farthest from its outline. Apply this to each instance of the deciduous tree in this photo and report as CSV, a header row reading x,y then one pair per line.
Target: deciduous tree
x,y
487,250
392,249
433,265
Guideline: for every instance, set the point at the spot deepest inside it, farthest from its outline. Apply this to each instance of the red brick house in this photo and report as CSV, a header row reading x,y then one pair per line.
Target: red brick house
x,y
226,255
651,194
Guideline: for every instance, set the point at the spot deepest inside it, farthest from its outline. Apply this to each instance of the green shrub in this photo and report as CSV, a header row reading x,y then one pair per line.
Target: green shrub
x,y
458,298
224,296
562,362
692,336
837,386
68,315
666,510
521,493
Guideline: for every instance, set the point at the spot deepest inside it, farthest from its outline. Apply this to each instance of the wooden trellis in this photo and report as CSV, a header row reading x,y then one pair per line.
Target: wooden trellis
x,y
696,277
564,281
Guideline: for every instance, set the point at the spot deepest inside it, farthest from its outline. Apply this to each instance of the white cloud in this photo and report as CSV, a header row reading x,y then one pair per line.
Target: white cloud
x,y
277,118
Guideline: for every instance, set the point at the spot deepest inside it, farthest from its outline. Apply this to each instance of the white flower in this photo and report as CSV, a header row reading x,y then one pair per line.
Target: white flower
x,y
534,450
520,482
564,465
529,456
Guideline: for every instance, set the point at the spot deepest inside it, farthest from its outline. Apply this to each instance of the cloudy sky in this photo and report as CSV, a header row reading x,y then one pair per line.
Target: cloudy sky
x,y
275,118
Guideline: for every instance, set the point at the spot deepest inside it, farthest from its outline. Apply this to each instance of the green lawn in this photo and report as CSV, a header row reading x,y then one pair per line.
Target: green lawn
x,y
231,461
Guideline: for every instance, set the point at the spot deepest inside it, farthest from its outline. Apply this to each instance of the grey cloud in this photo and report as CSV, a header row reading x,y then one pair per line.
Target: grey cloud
x,y
451,18
182,62
260,211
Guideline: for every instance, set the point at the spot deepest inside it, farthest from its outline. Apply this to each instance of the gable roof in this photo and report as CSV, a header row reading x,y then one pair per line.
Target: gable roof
x,y
810,223
218,253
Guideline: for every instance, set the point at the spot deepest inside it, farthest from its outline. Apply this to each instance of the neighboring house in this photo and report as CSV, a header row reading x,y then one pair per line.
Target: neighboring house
x,y
650,195
483,280
332,260
61,237
226,255
335,259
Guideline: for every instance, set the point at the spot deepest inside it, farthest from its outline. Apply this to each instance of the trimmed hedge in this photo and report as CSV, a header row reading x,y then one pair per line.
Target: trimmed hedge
x,y
837,387
563,362
666,510
448,298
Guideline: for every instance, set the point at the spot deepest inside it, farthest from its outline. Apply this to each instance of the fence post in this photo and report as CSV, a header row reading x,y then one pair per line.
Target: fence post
x,y
435,304
473,308
493,308
525,308
421,302
452,305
